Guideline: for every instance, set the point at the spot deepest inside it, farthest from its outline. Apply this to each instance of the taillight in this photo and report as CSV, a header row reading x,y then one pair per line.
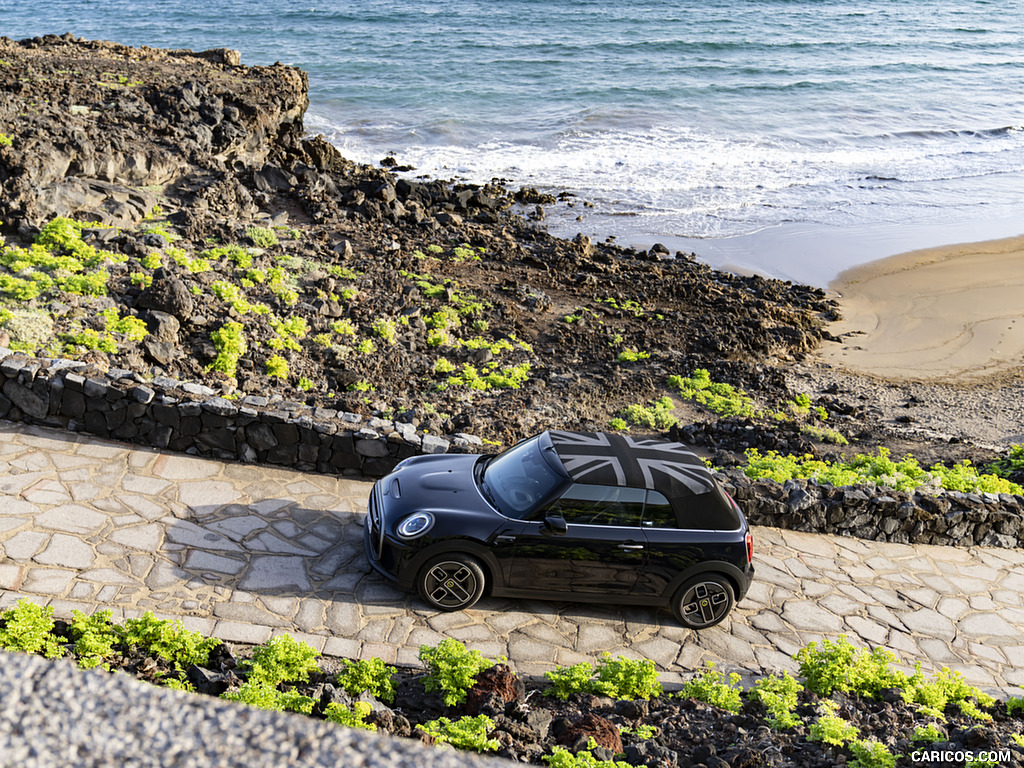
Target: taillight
x,y
750,547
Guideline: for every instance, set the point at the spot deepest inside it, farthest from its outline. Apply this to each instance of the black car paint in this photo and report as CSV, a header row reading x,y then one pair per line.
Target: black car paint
x,y
522,558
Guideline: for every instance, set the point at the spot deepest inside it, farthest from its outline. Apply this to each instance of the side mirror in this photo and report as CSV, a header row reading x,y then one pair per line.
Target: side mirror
x,y
555,525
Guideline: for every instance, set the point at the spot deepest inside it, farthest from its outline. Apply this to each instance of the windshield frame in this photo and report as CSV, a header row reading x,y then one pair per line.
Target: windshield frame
x,y
546,486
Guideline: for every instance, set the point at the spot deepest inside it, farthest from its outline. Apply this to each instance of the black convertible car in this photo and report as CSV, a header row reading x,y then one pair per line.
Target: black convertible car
x,y
584,516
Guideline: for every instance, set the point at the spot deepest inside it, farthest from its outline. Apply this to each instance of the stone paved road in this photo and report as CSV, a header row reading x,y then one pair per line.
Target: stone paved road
x,y
242,552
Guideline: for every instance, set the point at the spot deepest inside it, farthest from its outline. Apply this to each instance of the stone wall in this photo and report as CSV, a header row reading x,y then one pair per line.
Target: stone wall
x,y
882,514
191,418
166,413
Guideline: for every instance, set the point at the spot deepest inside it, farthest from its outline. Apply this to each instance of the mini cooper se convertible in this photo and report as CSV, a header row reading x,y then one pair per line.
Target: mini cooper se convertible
x,y
579,516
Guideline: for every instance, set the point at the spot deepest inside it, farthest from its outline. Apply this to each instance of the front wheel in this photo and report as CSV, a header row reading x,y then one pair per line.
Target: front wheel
x,y
451,582
703,601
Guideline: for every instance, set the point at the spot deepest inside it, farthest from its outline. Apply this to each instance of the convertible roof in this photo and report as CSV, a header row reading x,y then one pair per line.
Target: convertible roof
x,y
641,462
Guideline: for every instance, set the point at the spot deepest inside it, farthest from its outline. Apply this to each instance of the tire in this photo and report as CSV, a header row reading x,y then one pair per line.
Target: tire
x,y
451,582
703,601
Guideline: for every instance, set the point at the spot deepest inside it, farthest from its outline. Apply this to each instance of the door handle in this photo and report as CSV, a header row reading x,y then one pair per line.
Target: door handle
x,y
504,539
631,546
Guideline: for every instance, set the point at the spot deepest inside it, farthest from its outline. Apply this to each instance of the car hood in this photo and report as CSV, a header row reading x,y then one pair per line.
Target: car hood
x,y
436,483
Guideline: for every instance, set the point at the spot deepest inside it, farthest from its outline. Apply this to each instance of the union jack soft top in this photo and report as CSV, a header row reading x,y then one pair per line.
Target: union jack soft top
x,y
640,462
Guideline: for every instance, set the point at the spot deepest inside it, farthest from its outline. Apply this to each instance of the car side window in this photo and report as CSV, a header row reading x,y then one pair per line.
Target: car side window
x,y
600,505
658,512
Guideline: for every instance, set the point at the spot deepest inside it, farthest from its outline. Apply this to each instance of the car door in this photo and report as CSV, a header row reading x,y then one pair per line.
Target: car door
x,y
601,551
681,536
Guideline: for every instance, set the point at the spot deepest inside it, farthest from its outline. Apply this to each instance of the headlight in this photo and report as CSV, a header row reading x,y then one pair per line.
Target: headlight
x,y
415,525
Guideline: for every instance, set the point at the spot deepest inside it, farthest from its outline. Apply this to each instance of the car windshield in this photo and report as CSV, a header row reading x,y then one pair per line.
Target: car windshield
x,y
519,479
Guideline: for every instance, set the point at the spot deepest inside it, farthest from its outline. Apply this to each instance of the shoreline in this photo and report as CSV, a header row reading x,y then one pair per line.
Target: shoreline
x,y
950,313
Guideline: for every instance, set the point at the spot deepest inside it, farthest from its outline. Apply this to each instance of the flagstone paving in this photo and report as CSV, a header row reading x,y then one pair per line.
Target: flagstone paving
x,y
242,552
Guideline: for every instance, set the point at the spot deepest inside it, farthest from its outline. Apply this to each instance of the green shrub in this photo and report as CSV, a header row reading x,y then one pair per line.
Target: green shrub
x,y
350,718
723,399
262,237
656,415
277,367
837,665
229,341
467,733
263,695
869,753
566,681
1012,462
130,327
28,628
453,669
94,636
386,329
1015,705
946,687
778,694
929,734
561,757
712,687
371,675
830,728
632,356
283,659
169,640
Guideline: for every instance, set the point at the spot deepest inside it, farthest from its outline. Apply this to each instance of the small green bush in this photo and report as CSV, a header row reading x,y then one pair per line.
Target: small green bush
x,y
263,695
169,640
350,718
929,734
778,694
229,341
561,757
566,681
283,659
837,665
277,367
869,753
371,675
262,237
656,415
830,728
28,628
467,733
453,669
721,398
94,636
712,687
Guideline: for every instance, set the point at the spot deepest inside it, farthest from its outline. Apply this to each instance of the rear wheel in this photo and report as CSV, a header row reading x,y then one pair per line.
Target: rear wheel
x,y
703,601
451,582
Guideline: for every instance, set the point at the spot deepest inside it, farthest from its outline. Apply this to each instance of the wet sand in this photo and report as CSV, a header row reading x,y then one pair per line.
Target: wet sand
x,y
954,313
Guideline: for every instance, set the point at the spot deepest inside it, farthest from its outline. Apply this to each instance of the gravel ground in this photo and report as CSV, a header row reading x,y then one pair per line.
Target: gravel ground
x,y
53,714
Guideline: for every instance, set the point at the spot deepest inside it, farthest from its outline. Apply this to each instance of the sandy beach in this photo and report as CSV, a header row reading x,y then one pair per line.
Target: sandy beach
x,y
954,313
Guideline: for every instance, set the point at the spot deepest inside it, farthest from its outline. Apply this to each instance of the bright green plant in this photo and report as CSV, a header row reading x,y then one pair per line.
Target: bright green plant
x,y
263,695
283,659
1012,462
277,367
350,718
467,733
151,260
88,339
371,675
28,628
263,237
453,669
778,694
632,356
870,753
838,665
721,398
132,328
561,757
94,636
946,687
978,764
617,424
386,329
1015,705
343,327
831,728
229,341
640,732
712,687
929,734
566,681
622,678
1018,739
305,383
656,415
366,347
176,684
169,640
5,140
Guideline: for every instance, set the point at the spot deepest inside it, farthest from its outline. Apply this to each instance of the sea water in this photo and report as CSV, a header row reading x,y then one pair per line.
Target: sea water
x,y
790,137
